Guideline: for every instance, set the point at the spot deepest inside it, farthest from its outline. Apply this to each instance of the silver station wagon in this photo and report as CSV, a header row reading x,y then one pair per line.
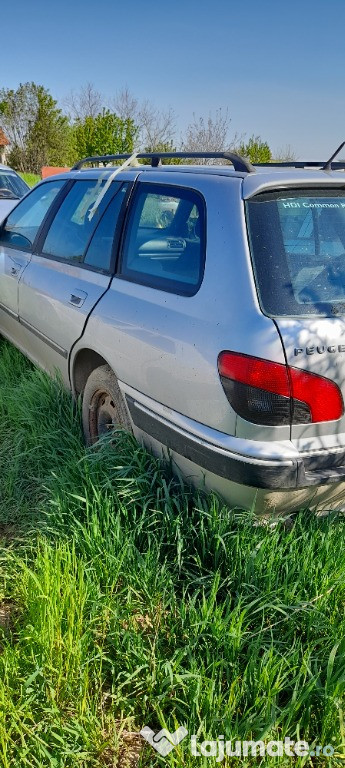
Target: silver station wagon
x,y
202,307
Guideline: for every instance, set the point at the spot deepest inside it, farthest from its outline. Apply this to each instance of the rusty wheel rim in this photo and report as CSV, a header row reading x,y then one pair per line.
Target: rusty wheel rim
x,y
103,414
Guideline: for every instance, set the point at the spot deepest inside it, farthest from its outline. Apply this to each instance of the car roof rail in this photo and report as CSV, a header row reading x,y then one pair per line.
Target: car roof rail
x,y
329,165
239,163
338,166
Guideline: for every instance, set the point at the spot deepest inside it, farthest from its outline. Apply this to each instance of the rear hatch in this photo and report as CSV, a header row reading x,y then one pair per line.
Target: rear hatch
x,y
297,241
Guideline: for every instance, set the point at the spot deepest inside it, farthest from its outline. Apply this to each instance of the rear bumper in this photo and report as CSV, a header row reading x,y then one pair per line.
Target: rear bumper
x,y
283,473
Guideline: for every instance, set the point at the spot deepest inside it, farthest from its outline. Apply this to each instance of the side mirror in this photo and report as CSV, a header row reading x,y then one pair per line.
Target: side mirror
x,y
16,239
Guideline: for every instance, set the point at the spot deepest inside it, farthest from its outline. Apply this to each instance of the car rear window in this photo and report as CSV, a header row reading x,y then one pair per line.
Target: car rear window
x,y
297,242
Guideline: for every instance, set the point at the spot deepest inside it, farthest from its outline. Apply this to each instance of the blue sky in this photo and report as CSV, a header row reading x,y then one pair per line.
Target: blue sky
x,y
277,66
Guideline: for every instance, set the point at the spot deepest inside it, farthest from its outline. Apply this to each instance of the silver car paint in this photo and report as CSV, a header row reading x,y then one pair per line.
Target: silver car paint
x,y
164,348
46,292
12,264
5,207
318,335
142,332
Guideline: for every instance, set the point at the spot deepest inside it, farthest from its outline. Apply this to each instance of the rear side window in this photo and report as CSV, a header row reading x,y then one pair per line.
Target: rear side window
x,y
298,248
100,249
165,239
24,221
77,219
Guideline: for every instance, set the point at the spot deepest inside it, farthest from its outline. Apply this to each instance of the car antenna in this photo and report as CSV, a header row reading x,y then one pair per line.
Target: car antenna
x,y
328,165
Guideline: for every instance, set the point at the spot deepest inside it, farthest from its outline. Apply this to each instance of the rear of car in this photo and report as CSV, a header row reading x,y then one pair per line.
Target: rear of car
x,y
211,371
296,232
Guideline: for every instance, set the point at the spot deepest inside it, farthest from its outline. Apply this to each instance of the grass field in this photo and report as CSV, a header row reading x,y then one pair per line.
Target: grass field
x,y
30,178
125,601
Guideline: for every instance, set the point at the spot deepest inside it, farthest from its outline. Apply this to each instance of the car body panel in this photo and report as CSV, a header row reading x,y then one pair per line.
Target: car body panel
x,y
154,329
263,460
163,347
5,207
262,502
317,344
277,178
12,264
46,293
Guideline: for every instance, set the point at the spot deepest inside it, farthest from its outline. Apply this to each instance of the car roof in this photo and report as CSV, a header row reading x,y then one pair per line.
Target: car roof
x,y
279,178
134,170
264,177
7,168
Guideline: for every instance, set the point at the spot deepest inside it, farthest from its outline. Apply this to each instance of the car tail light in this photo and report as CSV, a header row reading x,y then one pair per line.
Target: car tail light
x,y
270,393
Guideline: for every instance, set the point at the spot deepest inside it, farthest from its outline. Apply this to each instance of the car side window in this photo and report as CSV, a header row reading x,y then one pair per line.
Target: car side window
x,y
13,183
77,219
165,239
98,254
22,224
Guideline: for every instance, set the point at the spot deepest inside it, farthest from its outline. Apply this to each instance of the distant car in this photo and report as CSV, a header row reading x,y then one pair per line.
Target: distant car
x,y
12,189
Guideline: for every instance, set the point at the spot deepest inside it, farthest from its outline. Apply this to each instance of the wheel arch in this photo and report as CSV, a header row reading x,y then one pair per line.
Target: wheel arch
x,y
84,362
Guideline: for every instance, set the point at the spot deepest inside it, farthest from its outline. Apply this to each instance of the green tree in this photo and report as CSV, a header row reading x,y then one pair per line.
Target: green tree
x,y
256,150
50,137
16,113
38,131
105,134
163,146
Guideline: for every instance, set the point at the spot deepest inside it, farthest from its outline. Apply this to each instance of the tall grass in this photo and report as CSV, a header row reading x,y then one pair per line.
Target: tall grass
x,y
133,601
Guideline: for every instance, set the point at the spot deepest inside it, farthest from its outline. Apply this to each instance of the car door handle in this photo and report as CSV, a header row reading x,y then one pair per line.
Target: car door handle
x,y
14,270
77,299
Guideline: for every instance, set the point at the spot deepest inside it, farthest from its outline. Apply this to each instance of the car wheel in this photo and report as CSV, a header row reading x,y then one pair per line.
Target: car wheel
x,y
103,405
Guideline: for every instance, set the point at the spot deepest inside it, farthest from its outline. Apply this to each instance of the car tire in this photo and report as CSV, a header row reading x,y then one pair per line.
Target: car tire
x,y
103,406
